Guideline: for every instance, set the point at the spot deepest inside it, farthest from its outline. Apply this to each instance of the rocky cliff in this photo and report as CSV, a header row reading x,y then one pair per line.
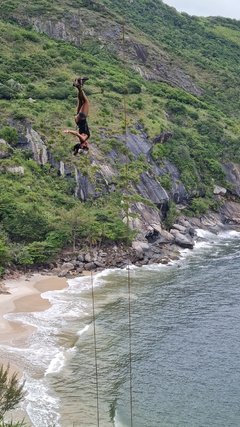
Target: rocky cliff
x,y
84,25
148,214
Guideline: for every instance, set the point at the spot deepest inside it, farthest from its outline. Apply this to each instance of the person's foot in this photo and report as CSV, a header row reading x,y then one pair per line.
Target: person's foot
x,y
79,81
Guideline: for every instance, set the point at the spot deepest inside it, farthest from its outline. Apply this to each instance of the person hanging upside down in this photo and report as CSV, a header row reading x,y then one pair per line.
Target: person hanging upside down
x,y
83,132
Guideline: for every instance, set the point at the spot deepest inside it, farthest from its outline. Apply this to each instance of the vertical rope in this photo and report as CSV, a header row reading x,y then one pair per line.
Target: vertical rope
x,y
128,266
95,349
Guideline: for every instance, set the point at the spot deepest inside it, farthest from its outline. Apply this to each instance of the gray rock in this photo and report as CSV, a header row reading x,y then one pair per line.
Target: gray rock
x,y
150,188
68,266
157,227
90,266
99,263
19,170
180,228
39,149
103,254
182,240
165,260
230,212
88,257
232,171
63,273
219,191
184,222
165,237
140,246
137,144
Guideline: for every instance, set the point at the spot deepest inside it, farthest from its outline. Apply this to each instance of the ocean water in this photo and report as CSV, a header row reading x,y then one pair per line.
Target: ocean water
x,y
185,345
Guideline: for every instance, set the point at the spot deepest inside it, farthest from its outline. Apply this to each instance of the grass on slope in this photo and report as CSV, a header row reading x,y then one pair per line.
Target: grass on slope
x,y
36,87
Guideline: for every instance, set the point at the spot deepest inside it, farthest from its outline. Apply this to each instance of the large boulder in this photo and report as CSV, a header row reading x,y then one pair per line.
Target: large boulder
x,y
230,212
142,219
232,171
39,149
182,240
151,189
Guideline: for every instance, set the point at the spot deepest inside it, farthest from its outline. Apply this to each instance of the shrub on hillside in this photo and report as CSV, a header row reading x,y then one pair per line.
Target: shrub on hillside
x,y
134,87
6,92
175,107
9,134
200,205
23,222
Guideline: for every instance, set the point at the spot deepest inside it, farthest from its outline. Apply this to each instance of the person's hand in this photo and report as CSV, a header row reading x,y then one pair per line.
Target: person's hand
x,y
65,131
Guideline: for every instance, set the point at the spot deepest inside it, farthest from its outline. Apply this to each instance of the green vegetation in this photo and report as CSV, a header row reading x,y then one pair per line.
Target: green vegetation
x,y
11,393
39,214
171,215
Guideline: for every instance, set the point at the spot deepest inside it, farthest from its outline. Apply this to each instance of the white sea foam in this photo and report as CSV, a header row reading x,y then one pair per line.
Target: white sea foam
x,y
154,267
232,234
70,306
82,331
42,406
119,422
205,234
56,364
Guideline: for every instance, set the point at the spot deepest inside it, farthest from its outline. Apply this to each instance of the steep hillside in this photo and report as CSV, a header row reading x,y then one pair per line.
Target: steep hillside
x,y
180,81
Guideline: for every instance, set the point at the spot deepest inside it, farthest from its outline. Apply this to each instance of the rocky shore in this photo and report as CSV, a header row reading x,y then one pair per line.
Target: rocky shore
x,y
159,246
153,245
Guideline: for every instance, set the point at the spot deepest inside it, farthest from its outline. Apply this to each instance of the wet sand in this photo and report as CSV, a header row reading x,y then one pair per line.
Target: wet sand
x,y
25,296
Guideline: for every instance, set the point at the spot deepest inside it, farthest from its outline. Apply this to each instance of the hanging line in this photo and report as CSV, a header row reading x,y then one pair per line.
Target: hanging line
x,y
95,349
127,215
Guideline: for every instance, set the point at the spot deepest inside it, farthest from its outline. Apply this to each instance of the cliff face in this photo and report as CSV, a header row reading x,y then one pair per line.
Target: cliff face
x,y
180,154
147,59
150,211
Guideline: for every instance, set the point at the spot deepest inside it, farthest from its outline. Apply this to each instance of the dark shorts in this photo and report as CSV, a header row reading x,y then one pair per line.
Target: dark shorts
x,y
82,124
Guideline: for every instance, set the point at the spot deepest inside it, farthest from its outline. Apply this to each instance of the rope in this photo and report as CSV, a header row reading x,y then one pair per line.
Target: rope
x,y
95,350
128,276
128,266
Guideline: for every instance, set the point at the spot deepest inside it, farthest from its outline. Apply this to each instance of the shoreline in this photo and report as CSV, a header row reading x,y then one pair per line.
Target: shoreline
x,y
24,295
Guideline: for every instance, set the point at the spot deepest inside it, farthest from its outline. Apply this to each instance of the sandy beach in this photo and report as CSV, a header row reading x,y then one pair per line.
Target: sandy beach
x,y
24,296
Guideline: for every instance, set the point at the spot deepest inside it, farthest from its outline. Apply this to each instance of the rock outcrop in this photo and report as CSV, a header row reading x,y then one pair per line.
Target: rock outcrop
x,y
39,149
232,171
230,212
150,61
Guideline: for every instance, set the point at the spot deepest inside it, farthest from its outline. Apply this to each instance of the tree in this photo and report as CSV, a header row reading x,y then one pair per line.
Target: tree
x,y
11,393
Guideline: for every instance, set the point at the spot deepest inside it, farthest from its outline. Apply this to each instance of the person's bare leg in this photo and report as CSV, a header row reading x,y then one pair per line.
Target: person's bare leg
x,y
80,100
83,104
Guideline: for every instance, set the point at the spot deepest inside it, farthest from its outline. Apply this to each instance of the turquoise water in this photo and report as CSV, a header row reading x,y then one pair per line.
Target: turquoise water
x,y
185,345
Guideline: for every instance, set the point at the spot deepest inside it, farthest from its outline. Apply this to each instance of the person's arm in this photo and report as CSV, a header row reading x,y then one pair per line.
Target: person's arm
x,y
82,137
72,132
75,133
